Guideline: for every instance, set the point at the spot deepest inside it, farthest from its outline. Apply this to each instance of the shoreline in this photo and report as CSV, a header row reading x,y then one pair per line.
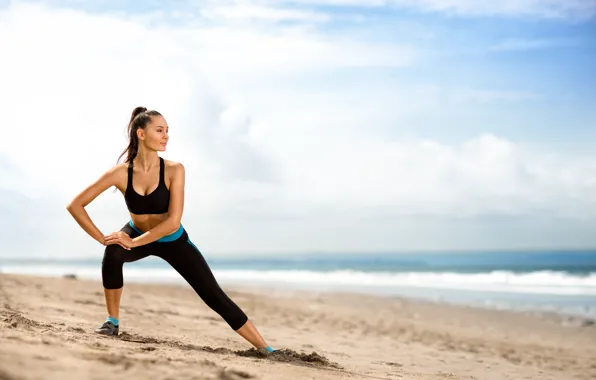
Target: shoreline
x,y
168,330
522,302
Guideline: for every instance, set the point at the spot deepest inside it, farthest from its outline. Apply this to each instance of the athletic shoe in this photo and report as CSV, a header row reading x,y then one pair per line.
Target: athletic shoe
x,y
108,328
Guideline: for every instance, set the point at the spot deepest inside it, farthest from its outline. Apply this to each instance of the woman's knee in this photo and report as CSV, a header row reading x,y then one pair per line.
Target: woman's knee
x,y
226,308
111,267
114,252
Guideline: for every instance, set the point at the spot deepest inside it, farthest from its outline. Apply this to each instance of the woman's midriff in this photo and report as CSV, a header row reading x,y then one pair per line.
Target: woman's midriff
x,y
147,222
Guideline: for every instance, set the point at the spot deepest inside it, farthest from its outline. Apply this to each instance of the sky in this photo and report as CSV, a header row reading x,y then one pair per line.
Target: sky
x,y
331,126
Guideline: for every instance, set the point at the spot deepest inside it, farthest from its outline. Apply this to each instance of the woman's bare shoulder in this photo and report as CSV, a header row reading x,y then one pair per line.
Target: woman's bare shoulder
x,y
173,166
118,174
119,169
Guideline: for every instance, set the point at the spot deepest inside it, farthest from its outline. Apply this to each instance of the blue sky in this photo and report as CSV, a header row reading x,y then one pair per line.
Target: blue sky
x,y
345,125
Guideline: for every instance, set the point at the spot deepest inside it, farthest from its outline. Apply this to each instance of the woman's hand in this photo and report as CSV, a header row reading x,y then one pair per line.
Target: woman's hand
x,y
121,238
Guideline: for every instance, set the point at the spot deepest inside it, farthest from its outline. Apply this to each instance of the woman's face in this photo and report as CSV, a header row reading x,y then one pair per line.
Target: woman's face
x,y
155,134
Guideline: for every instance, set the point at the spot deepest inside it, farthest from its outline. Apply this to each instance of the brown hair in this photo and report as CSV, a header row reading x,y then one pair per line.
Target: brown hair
x,y
138,120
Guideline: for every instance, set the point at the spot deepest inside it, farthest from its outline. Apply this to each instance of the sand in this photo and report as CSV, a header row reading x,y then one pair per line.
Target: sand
x,y
46,332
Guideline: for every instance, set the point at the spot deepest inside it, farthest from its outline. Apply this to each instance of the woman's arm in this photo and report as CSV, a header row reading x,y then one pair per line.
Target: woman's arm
x,y
172,222
76,207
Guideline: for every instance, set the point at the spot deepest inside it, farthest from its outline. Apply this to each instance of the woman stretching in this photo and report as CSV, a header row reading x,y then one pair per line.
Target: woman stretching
x,y
153,190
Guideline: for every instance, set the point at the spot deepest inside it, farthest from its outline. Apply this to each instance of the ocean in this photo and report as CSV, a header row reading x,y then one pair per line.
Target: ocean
x,y
561,282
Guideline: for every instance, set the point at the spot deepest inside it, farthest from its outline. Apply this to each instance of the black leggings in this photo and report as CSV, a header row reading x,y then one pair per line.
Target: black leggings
x,y
186,259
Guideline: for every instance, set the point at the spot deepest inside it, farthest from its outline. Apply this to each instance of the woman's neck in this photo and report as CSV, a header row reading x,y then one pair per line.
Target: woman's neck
x,y
145,159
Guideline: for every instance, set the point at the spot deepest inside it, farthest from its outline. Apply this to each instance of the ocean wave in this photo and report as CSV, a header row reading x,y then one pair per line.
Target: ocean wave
x,y
538,282
541,282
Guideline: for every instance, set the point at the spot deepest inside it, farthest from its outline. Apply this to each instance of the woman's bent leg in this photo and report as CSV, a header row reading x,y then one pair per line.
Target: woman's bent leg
x,y
111,272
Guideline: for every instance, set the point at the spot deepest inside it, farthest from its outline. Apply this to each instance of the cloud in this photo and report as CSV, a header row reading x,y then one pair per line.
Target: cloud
x,y
290,137
81,102
486,175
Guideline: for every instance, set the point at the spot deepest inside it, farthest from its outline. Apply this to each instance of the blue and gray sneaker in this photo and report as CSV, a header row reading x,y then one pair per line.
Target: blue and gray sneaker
x,y
108,328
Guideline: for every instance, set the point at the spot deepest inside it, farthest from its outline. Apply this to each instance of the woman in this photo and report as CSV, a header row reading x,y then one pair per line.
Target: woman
x,y
153,190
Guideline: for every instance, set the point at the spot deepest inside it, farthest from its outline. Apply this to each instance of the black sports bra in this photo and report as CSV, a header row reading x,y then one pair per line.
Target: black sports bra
x,y
156,202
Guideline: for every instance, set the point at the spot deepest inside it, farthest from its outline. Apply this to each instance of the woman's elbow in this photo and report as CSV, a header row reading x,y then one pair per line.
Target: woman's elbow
x,y
73,206
174,224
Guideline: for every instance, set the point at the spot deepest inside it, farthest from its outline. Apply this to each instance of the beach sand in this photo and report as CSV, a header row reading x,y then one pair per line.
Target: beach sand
x,y
167,332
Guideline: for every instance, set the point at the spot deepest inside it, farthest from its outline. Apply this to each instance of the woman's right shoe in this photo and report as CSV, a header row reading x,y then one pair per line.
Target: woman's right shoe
x,y
108,328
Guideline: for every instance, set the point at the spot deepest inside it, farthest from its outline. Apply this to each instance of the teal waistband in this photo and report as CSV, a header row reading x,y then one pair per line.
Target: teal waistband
x,y
165,239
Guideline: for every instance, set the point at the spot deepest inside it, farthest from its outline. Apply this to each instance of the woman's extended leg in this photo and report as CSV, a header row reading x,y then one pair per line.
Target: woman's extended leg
x,y
249,332
187,260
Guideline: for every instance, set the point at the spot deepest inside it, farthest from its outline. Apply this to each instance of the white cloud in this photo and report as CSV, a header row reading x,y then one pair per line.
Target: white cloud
x,y
77,76
268,149
485,175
